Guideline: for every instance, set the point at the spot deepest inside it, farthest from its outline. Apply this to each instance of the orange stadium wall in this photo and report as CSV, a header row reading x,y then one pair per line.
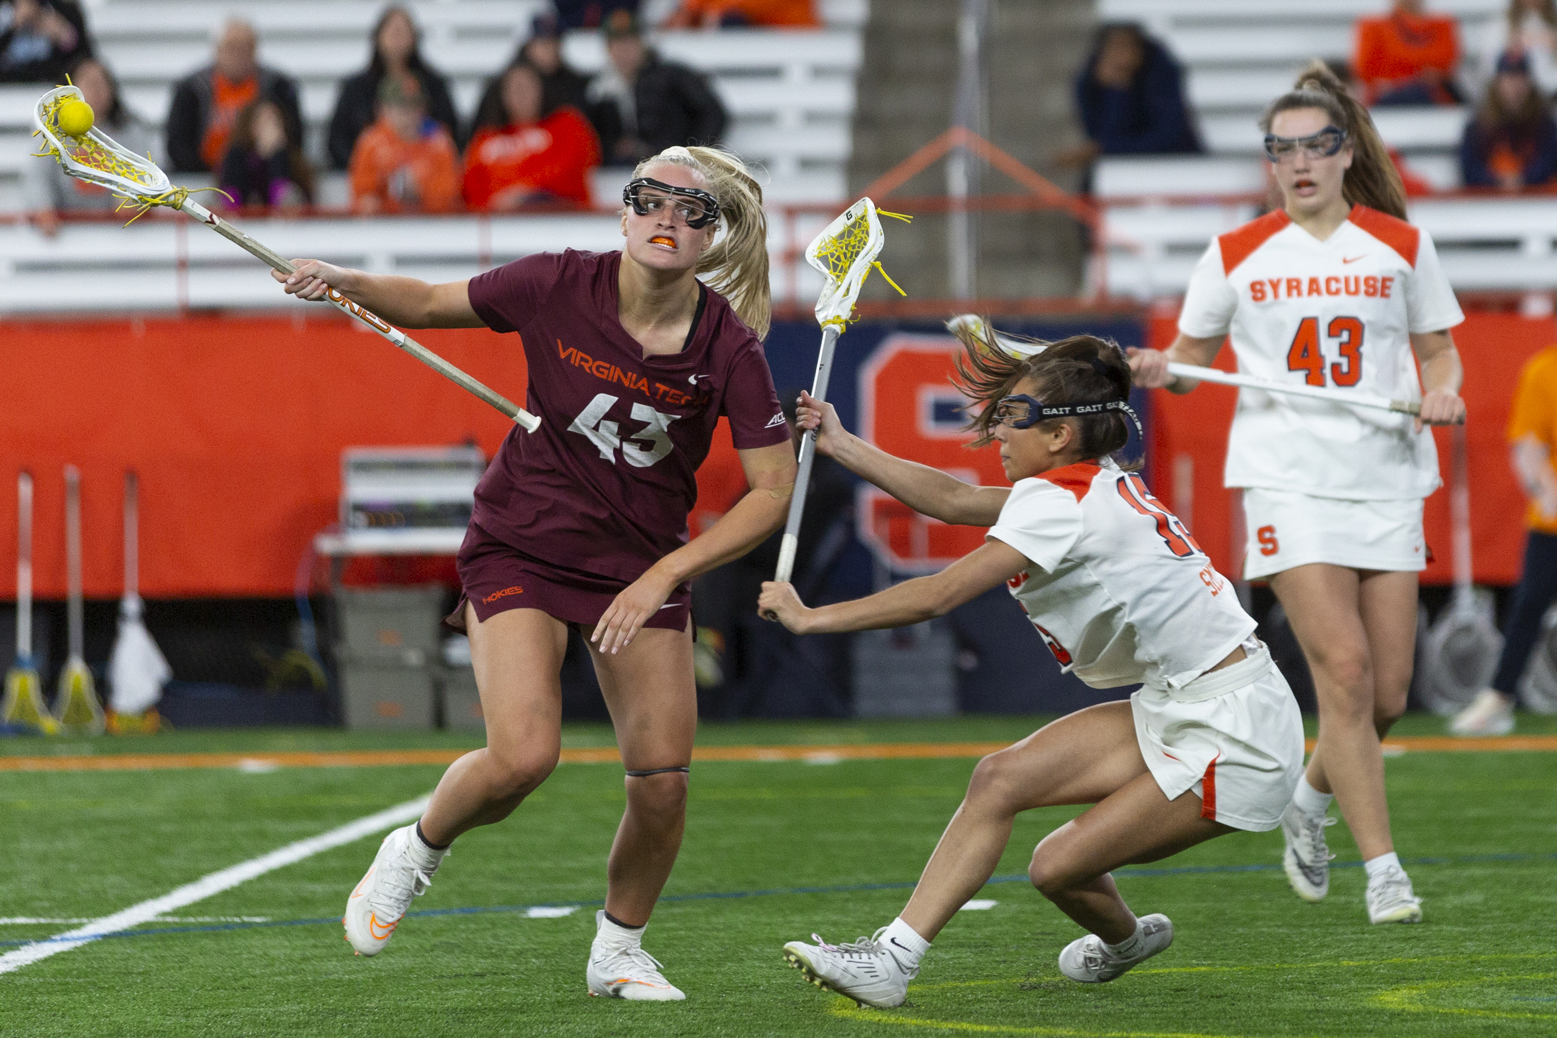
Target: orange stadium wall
x,y
236,425
1494,347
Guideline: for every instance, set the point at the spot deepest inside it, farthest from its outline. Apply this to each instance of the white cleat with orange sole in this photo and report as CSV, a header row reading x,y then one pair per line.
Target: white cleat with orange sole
x,y
619,970
380,901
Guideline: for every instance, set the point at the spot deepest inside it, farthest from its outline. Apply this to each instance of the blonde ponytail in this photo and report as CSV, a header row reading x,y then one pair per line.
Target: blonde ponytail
x,y
737,262
1372,180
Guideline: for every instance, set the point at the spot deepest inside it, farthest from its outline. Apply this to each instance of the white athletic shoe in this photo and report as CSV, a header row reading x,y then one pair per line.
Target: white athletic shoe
x,y
626,972
866,970
1088,961
1390,899
1490,713
1307,859
380,901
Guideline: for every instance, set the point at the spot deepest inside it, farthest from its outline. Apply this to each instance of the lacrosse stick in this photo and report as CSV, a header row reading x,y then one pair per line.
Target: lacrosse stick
x,y
844,252
137,670
24,706
98,159
1023,348
1463,644
75,705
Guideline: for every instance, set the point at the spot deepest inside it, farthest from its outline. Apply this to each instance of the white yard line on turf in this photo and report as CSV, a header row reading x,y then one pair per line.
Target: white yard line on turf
x,y
215,883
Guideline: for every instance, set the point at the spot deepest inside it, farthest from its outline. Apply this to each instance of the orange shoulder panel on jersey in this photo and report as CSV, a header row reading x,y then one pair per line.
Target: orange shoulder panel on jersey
x,y
1394,232
1076,478
1237,245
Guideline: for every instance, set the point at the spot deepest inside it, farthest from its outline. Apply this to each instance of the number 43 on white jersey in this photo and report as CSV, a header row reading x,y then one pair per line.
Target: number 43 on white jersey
x,y
605,435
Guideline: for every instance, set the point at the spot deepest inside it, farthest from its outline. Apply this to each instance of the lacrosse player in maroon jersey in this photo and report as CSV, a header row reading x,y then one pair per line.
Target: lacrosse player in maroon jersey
x,y
632,360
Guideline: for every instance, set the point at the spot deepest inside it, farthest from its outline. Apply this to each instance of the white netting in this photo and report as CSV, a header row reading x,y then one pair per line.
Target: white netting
x,y
96,157
845,252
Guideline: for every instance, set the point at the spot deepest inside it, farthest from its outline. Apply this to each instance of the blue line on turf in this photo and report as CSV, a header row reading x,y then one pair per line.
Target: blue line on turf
x,y
1131,871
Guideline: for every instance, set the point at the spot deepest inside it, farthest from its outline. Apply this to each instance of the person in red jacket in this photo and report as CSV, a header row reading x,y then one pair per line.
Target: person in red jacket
x,y
530,159
1408,57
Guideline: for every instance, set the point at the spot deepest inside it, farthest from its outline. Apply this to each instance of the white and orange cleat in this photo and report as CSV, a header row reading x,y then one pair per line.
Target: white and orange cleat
x,y
620,968
402,870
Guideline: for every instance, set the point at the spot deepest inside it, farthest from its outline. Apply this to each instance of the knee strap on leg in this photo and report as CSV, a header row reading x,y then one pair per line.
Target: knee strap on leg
x,y
657,771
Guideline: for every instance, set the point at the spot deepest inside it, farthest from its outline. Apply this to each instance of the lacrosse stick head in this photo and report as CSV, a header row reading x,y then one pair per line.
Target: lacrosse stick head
x,y
94,156
990,341
845,252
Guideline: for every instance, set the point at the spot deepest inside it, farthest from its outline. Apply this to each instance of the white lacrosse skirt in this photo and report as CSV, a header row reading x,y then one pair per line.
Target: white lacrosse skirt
x,y
1289,529
1233,736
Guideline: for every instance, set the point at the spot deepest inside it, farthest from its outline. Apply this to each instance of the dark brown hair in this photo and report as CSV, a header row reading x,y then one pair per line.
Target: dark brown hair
x,y
1065,372
1372,180
1515,12
298,169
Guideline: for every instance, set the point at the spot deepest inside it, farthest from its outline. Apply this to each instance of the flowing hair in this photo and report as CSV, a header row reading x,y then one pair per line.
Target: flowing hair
x,y
1082,369
1372,180
737,262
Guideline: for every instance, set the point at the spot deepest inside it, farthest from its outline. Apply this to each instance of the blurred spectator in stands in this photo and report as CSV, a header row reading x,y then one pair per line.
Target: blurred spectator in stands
x,y
49,191
396,49
1529,26
530,159
591,14
264,166
561,84
406,160
40,39
641,105
1130,97
725,14
1511,142
1408,57
207,102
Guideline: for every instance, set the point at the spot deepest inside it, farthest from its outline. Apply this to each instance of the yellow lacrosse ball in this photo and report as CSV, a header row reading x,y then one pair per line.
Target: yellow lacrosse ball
x,y
75,118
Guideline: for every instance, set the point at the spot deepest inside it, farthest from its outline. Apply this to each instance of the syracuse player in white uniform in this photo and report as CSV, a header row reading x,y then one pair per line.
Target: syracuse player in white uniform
x,y
1335,289
1117,587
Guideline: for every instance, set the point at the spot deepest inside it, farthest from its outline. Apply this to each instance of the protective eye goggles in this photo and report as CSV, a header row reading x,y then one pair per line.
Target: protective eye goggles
x,y
1319,145
647,196
1023,412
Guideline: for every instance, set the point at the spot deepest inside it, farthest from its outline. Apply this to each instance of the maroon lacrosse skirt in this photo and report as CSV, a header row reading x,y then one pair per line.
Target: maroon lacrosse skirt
x,y
496,576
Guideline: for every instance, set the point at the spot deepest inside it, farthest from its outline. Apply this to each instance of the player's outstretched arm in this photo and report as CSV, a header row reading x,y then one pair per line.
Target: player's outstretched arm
x,y
910,602
404,301
770,473
1149,368
926,490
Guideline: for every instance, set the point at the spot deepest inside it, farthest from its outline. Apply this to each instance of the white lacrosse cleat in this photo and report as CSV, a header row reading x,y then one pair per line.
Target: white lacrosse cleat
x,y
1089,961
380,901
1307,858
618,970
1490,713
866,970
1390,898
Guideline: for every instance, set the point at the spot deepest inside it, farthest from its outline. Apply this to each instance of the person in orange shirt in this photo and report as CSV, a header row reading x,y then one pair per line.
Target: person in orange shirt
x,y
530,159
206,103
1532,433
404,162
1408,57
714,14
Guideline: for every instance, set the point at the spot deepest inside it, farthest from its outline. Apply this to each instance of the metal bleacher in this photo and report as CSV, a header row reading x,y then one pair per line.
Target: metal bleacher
x,y
1159,212
791,96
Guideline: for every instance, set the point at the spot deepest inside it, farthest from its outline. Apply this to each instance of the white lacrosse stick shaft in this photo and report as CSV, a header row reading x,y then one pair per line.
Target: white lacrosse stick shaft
x,y
1335,396
24,569
367,317
797,502
834,307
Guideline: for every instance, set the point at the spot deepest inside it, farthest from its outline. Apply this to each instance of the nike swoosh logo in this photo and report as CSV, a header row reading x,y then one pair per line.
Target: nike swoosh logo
x,y
374,926
669,605
901,945
1354,259
693,378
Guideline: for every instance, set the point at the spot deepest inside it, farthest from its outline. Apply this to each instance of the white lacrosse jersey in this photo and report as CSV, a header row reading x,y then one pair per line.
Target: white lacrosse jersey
x,y
1118,589
1334,313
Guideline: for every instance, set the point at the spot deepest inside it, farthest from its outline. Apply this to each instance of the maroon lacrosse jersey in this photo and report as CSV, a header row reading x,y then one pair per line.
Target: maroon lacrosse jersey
x,y
604,486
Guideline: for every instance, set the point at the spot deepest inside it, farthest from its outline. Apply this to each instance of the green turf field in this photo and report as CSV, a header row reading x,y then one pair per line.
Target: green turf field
x,y
773,852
